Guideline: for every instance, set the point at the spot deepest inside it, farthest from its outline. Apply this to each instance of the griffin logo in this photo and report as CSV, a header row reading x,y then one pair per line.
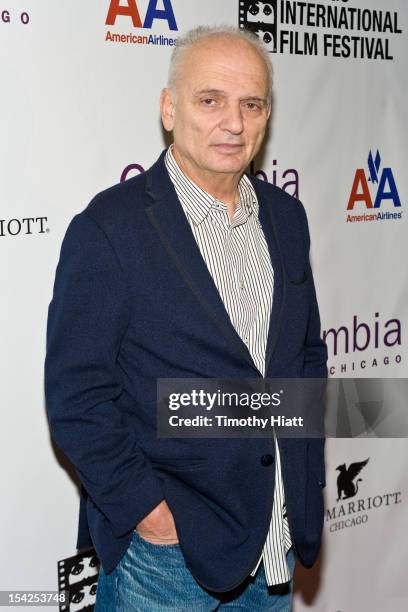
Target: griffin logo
x,y
345,484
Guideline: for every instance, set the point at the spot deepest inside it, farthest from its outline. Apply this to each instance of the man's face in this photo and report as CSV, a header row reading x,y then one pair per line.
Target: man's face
x,y
220,110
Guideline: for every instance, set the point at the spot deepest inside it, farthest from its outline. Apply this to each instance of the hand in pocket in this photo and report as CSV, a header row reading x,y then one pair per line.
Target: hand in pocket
x,y
158,527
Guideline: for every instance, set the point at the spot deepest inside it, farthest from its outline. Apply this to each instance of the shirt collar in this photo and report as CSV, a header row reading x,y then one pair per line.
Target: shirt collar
x,y
197,202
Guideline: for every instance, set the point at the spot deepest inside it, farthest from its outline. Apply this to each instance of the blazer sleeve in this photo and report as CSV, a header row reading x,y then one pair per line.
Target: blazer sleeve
x,y
315,361
87,318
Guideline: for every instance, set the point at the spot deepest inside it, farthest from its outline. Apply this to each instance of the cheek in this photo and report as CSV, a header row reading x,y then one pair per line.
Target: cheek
x,y
191,127
257,133
202,126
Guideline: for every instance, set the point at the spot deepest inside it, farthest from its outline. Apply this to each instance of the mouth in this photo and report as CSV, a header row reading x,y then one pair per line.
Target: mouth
x,y
225,147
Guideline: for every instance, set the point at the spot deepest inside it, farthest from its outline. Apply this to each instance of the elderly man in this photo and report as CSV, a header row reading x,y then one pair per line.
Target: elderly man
x,y
192,269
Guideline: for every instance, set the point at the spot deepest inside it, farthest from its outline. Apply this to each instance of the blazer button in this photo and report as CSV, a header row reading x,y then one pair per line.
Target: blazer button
x,y
266,460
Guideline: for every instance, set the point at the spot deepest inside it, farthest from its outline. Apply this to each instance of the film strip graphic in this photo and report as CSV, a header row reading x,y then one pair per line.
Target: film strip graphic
x,y
78,577
261,18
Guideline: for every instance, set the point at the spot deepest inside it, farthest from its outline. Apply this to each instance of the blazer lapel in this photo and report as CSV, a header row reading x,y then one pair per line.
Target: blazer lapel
x,y
169,221
269,227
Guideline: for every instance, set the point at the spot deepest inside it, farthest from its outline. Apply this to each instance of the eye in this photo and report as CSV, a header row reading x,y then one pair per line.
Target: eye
x,y
208,101
252,106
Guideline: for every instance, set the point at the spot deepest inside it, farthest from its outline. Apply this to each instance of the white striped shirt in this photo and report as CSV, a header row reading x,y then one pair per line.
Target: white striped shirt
x,y
238,260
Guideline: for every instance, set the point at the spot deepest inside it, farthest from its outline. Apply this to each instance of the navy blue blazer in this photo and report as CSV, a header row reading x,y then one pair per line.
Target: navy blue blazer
x,y
133,301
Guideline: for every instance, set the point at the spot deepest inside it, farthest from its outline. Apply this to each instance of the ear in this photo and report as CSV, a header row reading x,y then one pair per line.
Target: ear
x,y
167,109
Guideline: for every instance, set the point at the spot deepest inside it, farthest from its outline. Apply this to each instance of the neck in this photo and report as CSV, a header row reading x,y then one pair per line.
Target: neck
x,y
223,186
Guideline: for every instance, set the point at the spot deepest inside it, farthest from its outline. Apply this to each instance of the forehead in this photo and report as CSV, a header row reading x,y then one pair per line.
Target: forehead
x,y
226,64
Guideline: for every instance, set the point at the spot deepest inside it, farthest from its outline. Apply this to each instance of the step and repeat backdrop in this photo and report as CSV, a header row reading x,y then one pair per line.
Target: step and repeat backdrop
x,y
80,83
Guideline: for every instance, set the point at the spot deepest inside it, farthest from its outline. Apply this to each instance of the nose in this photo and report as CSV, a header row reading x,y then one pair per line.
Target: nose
x,y
232,120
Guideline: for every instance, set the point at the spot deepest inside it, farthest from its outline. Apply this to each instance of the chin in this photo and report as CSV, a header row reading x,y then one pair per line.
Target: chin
x,y
231,168
224,163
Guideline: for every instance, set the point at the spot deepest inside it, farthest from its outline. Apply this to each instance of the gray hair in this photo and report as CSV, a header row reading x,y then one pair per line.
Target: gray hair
x,y
194,36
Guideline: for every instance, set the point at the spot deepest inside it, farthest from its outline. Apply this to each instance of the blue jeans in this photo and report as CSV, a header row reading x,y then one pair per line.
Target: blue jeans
x,y
154,577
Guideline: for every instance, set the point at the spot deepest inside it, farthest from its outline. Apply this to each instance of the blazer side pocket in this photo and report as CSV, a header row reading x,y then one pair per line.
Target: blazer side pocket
x,y
179,463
